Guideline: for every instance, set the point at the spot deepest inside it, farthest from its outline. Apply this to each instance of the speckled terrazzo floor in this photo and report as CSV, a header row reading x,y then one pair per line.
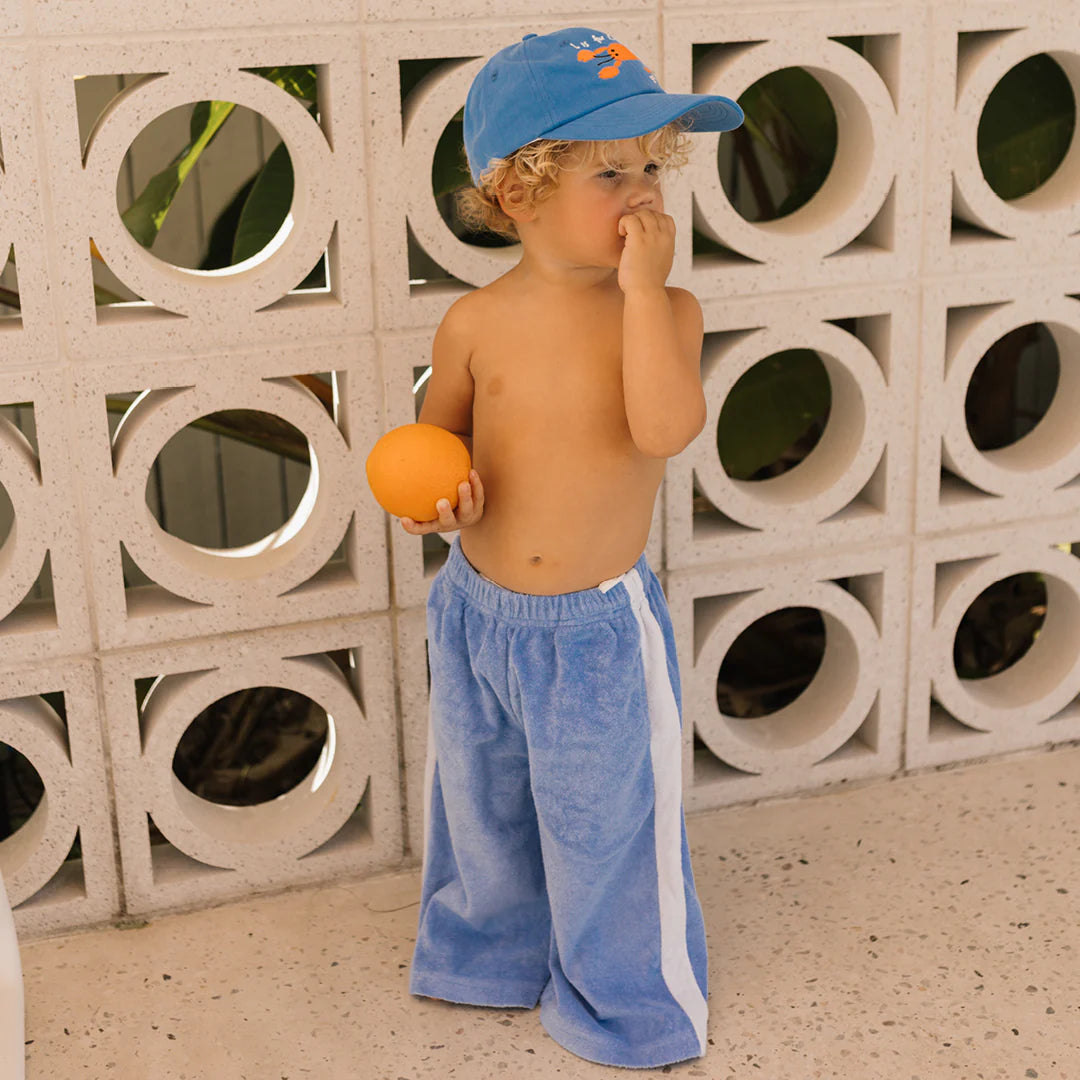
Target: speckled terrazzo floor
x,y
922,927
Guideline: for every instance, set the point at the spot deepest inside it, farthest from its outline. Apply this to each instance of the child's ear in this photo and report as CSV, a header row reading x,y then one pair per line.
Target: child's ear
x,y
511,198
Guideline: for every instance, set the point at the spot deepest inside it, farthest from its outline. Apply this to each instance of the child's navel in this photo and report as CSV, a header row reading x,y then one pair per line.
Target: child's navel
x,y
535,560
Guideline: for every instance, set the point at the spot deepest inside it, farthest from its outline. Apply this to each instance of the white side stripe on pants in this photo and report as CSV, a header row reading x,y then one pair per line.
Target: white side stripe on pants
x,y
666,752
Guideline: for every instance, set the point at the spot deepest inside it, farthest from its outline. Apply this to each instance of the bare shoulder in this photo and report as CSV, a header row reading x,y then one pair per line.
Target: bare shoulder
x,y
460,317
469,313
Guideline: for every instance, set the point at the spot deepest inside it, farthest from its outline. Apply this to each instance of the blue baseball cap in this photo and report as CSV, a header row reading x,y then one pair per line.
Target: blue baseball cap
x,y
575,84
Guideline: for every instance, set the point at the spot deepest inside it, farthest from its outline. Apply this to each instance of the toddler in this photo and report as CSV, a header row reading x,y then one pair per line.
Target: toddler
x,y
556,868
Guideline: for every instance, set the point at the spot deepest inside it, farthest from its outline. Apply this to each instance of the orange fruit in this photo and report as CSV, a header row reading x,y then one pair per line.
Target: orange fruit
x,y
413,466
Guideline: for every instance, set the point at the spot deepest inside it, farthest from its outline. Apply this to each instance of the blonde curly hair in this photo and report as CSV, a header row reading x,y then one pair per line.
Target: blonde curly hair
x,y
537,166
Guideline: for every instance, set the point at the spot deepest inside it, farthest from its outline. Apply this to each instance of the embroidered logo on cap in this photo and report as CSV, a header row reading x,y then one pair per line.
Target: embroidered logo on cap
x,y
608,57
615,55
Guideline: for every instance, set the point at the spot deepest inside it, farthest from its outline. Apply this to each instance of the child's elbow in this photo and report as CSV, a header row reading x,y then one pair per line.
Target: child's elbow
x,y
667,446
672,442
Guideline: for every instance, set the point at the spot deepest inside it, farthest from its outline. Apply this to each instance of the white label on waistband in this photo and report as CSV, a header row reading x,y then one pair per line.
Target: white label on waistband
x,y
612,582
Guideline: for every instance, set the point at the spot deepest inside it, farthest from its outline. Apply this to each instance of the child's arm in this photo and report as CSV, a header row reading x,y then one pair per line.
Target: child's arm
x,y
448,404
662,335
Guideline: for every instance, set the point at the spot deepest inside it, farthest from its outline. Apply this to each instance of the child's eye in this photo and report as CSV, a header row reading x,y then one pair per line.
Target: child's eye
x,y
611,174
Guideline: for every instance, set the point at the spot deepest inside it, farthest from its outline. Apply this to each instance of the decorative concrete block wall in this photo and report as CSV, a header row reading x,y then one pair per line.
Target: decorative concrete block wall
x,y
895,501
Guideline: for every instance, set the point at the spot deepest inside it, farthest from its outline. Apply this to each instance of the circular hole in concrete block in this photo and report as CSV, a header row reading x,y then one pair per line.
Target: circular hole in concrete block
x,y
7,515
775,163
251,746
1026,127
205,185
21,789
771,663
1000,626
1012,387
231,482
774,415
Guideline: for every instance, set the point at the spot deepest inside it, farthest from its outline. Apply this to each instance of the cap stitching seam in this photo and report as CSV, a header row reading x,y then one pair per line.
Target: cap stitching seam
x,y
539,90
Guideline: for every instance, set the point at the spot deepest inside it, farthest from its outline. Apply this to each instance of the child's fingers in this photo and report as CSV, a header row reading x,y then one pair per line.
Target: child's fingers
x,y
657,224
470,506
660,227
416,528
476,502
652,221
446,514
465,499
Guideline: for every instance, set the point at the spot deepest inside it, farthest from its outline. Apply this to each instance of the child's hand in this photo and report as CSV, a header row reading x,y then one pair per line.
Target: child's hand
x,y
470,510
649,250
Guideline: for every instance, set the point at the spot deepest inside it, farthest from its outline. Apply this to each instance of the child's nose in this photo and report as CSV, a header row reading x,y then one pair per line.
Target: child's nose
x,y
644,194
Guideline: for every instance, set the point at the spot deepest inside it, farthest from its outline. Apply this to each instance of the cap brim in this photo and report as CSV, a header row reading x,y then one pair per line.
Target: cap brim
x,y
641,113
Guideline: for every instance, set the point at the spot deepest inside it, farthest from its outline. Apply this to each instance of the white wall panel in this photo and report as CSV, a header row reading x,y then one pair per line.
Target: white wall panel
x,y
49,891
863,224
344,819
1033,703
27,338
900,273
285,577
187,308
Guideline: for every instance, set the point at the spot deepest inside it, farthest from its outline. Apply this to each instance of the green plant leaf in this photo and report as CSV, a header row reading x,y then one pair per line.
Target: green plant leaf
x,y
145,216
770,407
266,206
299,80
219,245
1019,164
147,213
806,187
792,102
1026,127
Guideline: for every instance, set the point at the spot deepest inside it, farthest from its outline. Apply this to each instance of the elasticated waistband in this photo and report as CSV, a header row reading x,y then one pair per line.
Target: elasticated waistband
x,y
601,601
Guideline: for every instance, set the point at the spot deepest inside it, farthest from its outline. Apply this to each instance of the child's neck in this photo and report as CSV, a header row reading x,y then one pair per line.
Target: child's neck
x,y
564,278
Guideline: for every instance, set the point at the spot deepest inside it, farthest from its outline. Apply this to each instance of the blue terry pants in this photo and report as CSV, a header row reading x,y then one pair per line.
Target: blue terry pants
x,y
556,867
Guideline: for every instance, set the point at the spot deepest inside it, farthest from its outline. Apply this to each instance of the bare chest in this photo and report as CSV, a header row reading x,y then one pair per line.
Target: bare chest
x,y
561,376
569,497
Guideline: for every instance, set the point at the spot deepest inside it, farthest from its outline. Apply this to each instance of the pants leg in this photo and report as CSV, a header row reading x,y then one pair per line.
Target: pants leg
x,y
484,925
601,709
